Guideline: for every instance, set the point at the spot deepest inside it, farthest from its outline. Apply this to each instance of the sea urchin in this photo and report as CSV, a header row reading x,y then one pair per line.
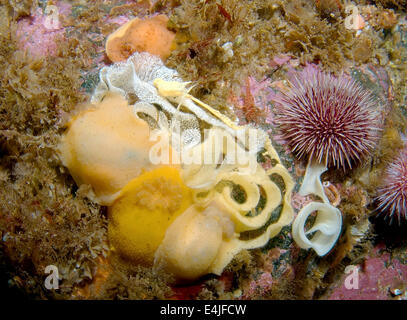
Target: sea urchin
x,y
328,119
392,199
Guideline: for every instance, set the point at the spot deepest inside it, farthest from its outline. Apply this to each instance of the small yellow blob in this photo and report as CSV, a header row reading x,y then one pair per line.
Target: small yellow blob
x,y
145,209
106,146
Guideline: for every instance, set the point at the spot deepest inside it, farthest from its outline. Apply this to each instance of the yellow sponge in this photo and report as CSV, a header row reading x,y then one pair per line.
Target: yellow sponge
x,y
147,206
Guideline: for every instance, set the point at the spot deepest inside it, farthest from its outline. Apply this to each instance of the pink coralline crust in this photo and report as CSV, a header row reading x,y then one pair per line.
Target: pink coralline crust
x,y
327,118
263,282
258,90
298,201
270,258
280,60
276,137
35,35
65,8
284,60
378,74
260,286
392,195
377,275
119,20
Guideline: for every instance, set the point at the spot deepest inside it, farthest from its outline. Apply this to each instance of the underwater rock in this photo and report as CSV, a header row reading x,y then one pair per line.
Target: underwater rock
x,y
374,279
261,30
40,34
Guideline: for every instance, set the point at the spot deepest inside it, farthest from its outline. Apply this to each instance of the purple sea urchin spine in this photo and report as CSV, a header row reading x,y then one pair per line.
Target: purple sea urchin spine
x,y
392,197
326,118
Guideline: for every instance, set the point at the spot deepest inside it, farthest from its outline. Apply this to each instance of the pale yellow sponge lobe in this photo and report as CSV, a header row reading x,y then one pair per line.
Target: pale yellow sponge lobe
x,y
191,244
106,146
145,209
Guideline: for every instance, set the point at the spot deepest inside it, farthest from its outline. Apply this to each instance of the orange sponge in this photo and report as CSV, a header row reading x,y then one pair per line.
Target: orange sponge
x,y
139,35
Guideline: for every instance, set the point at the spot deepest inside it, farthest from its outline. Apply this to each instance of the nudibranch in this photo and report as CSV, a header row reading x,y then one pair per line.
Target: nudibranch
x,y
190,207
